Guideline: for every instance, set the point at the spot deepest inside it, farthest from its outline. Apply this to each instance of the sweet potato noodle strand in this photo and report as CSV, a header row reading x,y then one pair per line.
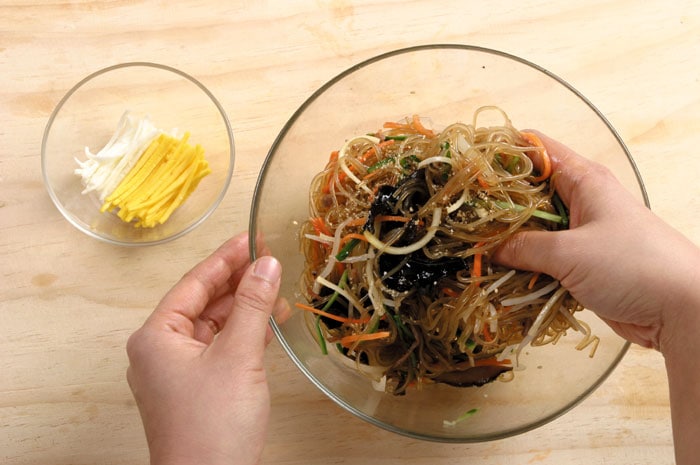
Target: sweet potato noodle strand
x,y
411,216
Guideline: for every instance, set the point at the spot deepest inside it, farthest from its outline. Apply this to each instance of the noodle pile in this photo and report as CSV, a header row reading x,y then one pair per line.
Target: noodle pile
x,y
398,271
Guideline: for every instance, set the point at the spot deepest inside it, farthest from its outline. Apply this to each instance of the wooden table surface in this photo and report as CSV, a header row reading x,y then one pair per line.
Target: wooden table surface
x,y
68,302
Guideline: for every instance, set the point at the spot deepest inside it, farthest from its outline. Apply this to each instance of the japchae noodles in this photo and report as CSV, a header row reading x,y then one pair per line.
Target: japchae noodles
x,y
398,271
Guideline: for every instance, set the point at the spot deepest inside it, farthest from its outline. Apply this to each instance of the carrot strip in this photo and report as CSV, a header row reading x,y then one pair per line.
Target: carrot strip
x,y
476,269
394,125
366,156
347,340
418,126
311,309
327,182
450,292
533,280
350,236
491,362
357,221
369,153
482,182
487,334
334,157
402,219
546,161
317,258
320,226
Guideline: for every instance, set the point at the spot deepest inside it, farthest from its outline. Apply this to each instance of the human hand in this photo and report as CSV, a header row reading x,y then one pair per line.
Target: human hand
x,y
203,397
617,259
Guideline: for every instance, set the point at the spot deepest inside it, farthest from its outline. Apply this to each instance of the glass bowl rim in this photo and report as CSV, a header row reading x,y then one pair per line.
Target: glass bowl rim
x,y
253,254
135,64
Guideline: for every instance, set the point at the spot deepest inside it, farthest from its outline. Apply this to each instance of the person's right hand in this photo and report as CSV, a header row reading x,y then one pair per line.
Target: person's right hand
x,y
196,365
617,259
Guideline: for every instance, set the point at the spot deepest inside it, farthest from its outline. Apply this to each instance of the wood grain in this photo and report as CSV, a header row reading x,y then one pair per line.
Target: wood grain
x,y
68,303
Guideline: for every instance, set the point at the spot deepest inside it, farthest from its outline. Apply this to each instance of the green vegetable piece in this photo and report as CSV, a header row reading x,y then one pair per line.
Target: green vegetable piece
x,y
408,162
446,146
341,284
404,332
471,345
536,213
561,209
510,167
394,137
319,334
513,163
374,327
462,417
345,251
380,163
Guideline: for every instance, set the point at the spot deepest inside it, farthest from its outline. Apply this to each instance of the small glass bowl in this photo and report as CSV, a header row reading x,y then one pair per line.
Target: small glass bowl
x,y
444,83
87,116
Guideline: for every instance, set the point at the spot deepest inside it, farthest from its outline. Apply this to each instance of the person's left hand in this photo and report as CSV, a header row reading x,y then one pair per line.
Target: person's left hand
x,y
203,397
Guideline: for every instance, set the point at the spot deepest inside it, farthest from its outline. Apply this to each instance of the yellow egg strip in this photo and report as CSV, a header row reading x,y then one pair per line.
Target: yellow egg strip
x,y
160,209
137,175
179,198
145,185
171,180
169,187
163,178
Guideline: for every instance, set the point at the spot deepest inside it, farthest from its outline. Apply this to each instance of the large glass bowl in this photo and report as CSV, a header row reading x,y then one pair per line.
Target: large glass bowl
x,y
445,83
88,115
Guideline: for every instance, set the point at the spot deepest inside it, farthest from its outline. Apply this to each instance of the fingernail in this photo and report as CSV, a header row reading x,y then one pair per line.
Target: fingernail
x,y
267,268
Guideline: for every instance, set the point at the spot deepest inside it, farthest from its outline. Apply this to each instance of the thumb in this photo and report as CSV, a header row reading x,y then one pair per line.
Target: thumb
x,y
541,251
245,330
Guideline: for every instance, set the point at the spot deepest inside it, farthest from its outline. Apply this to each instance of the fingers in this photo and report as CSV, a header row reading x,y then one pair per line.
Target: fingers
x,y
245,331
546,251
210,322
280,314
570,167
543,251
261,247
213,319
282,311
215,276
645,336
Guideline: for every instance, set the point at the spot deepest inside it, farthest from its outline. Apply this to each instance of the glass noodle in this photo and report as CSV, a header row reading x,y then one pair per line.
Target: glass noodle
x,y
399,277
